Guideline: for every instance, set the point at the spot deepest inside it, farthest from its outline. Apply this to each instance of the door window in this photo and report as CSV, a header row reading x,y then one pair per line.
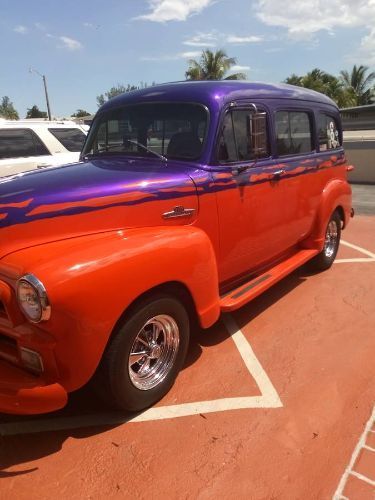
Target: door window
x,y
238,138
293,133
20,143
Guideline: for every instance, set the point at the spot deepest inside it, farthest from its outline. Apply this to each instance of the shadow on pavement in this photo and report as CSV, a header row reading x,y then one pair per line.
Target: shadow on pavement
x,y
23,448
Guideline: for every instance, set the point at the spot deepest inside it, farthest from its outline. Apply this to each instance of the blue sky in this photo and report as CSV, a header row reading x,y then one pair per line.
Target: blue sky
x,y
85,47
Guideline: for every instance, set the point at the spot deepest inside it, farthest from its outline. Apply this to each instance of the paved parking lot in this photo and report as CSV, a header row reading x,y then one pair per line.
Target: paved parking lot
x,y
275,402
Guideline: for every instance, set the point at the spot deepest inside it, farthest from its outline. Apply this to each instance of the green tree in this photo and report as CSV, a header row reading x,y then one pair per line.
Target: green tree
x,y
322,82
7,110
115,91
35,112
80,113
357,84
213,66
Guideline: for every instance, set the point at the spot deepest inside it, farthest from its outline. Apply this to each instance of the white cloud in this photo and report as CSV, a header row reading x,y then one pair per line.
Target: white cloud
x,y
70,43
190,54
40,26
238,67
174,10
202,40
164,57
306,17
367,48
244,39
172,57
22,30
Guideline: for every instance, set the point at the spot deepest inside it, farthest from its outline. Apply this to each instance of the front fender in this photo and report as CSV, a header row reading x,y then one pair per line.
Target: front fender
x,y
337,193
91,281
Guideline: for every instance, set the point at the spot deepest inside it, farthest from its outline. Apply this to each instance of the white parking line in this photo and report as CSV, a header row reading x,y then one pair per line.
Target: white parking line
x,y
359,259
370,258
349,470
359,249
268,399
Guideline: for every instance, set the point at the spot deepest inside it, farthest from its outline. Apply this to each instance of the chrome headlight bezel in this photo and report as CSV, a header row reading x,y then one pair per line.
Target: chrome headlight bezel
x,y
41,293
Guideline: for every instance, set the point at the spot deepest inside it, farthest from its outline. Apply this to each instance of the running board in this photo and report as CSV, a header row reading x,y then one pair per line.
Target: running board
x,y
239,296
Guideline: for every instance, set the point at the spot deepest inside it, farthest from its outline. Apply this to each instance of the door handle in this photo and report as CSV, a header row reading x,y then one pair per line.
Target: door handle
x,y
275,176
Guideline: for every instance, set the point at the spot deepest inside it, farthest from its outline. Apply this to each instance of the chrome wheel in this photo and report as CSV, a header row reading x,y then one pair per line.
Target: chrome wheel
x,y
153,352
331,239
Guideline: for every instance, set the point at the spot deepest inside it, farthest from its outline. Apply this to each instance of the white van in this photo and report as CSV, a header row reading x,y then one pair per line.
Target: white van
x,y
28,144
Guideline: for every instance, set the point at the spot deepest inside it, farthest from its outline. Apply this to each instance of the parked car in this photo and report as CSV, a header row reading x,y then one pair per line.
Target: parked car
x,y
28,144
190,199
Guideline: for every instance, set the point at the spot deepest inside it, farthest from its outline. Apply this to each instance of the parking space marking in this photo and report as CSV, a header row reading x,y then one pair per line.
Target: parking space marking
x,y
359,249
352,261
349,471
370,258
269,398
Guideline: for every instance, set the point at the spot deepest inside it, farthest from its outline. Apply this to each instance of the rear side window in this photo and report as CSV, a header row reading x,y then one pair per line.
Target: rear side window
x,y
236,142
328,132
20,143
71,138
293,133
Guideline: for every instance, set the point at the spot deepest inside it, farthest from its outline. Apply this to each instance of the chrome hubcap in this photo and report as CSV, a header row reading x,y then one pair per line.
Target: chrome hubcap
x,y
153,352
330,243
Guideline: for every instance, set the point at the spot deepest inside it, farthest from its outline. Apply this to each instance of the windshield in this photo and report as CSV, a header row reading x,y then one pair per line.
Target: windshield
x,y
172,130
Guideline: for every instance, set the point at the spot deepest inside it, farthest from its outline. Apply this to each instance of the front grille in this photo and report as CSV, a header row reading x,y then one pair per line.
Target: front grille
x,y
3,312
8,348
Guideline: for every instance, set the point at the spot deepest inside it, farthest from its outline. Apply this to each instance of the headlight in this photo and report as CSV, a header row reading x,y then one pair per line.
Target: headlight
x,y
32,298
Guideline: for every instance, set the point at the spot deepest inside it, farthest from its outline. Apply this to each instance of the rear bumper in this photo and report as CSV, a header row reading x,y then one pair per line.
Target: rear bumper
x,y
25,394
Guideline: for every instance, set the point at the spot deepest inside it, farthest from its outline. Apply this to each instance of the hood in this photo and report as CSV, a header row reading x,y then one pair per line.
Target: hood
x,y
89,197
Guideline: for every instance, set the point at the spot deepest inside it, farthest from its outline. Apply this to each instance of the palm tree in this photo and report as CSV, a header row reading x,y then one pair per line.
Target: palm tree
x,y
323,82
358,84
212,66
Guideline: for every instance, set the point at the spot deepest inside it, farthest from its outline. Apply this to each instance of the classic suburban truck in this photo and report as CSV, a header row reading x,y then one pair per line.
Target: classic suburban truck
x,y
190,199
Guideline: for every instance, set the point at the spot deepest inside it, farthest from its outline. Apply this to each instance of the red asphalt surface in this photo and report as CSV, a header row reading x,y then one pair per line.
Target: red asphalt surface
x,y
314,336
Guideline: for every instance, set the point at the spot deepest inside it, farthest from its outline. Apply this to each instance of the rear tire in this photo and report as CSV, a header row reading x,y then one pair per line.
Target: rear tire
x,y
326,257
145,355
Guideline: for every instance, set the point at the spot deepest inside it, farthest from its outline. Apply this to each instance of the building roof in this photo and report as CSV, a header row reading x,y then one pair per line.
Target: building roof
x,y
366,107
210,92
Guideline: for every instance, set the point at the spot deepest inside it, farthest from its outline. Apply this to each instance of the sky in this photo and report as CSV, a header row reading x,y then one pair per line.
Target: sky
x,y
86,47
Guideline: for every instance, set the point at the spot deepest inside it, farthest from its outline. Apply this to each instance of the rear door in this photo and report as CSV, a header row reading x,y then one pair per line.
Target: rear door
x,y
20,150
295,153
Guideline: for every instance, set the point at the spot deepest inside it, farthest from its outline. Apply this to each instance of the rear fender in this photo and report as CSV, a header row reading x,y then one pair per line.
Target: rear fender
x,y
337,193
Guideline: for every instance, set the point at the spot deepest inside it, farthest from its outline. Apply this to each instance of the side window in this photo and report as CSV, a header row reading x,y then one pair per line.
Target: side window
x,y
293,133
19,143
71,138
241,139
40,148
328,132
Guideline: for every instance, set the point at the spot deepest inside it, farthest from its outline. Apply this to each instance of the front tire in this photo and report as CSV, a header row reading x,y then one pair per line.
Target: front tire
x,y
325,258
146,353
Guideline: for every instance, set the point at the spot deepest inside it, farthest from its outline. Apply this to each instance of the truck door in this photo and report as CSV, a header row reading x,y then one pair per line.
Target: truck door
x,y
250,196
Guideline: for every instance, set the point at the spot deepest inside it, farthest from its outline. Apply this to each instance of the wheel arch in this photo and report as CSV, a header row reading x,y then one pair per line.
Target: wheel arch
x,y
175,289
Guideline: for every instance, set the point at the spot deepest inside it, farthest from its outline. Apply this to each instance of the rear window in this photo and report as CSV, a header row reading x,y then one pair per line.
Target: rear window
x,y
329,136
71,138
293,133
20,143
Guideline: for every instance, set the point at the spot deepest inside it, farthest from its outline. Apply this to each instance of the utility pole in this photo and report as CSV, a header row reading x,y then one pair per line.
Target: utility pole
x,y
31,70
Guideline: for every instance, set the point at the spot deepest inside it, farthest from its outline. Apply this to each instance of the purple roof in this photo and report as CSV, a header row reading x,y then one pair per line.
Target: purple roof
x,y
212,92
